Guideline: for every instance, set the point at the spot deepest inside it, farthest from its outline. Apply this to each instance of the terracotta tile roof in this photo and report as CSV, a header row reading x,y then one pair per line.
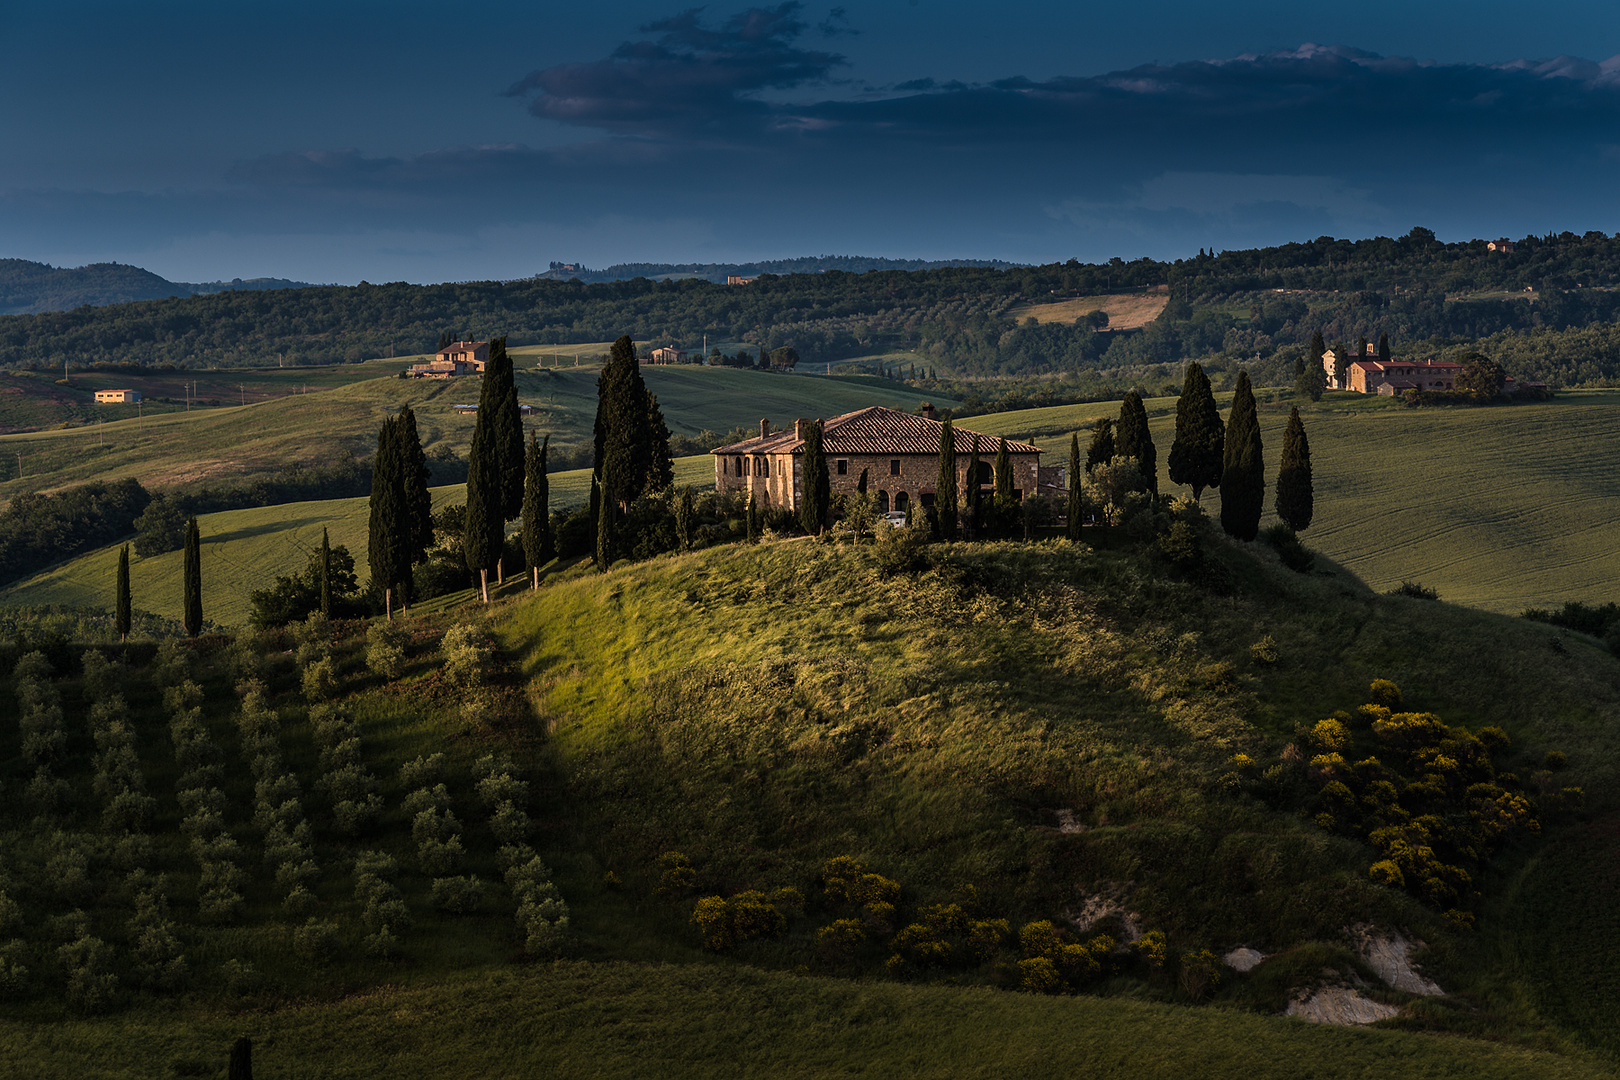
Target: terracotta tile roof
x,y
1424,365
875,430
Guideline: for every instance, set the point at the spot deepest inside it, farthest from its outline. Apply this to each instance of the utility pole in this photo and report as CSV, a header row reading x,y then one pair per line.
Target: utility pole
x,y
243,389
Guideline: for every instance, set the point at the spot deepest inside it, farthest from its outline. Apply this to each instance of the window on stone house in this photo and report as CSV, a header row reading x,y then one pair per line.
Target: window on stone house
x,y
894,466
767,463
843,468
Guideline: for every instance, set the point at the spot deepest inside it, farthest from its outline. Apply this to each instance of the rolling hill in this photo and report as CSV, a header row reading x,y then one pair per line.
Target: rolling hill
x,y
287,426
1036,734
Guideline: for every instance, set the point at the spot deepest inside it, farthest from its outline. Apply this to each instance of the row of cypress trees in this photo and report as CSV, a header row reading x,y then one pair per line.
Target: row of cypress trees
x,y
1208,454
191,613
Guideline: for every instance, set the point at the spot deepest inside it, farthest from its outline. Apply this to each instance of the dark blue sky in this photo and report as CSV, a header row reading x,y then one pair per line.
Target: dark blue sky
x,y
337,141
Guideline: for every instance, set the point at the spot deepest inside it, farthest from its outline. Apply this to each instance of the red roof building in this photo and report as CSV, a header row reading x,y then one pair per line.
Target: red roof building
x,y
898,452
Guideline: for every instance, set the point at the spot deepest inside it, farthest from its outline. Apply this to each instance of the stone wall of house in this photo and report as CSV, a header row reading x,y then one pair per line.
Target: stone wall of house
x,y
774,479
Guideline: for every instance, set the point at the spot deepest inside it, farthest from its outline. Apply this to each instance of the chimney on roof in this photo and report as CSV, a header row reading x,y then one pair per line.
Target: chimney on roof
x,y
928,410
764,428
799,427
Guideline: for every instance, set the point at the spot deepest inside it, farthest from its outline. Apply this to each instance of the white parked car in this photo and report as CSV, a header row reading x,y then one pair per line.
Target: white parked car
x,y
897,518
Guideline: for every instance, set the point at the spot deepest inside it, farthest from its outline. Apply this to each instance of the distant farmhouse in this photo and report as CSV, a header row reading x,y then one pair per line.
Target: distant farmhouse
x,y
1504,245
666,356
1392,377
457,358
738,279
898,451
1388,378
118,397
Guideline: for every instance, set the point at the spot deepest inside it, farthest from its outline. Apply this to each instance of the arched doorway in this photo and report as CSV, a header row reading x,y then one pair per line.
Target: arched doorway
x,y
883,502
902,502
987,474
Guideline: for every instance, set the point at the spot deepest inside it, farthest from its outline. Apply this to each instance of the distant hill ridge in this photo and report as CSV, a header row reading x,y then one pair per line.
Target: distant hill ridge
x,y
719,272
30,288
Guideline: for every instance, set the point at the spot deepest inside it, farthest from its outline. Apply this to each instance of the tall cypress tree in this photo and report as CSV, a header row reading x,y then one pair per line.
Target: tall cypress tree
x,y
1076,501
1004,477
1195,456
816,494
386,538
122,612
536,515
631,438
1296,500
603,552
485,532
418,499
499,394
1243,480
326,573
1101,450
1383,348
1134,440
945,486
191,611
753,519
975,500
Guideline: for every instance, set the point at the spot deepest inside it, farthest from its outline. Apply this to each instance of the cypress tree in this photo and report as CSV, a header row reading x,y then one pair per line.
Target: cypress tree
x,y
817,488
386,539
631,438
536,515
860,486
326,574
1296,501
685,512
122,612
945,486
499,395
1076,503
753,519
1134,440
1243,480
1383,348
418,527
485,532
191,613
1195,456
975,508
603,552
1101,450
1004,478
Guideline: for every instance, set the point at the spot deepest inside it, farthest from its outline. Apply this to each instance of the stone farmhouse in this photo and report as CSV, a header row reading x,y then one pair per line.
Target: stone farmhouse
x,y
666,356
1369,376
118,397
457,358
899,452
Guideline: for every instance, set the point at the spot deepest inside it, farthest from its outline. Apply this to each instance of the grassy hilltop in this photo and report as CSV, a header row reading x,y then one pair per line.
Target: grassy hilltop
x,y
1037,732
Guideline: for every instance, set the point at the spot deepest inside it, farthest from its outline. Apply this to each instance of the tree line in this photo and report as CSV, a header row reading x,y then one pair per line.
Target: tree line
x,y
959,316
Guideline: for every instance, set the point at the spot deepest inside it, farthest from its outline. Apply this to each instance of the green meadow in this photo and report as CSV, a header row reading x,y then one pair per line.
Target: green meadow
x,y
246,550
1498,508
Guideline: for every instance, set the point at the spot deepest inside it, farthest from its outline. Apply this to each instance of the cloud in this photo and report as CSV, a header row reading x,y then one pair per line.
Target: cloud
x,y
689,79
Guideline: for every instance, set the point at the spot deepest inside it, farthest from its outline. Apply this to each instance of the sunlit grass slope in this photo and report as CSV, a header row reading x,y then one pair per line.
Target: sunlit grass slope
x,y
177,447
763,709
635,1020
1500,508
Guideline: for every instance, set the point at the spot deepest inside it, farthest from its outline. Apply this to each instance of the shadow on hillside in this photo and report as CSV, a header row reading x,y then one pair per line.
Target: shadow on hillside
x,y
279,525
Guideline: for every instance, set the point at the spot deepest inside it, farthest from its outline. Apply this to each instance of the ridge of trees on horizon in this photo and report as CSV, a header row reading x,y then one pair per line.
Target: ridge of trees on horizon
x,y
1415,289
